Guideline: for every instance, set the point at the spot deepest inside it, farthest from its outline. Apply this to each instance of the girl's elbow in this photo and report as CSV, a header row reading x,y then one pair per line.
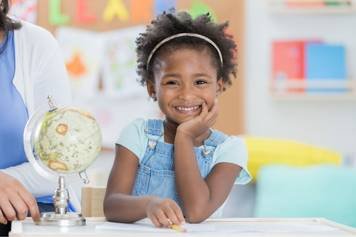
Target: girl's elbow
x,y
109,210
195,216
108,213
194,220
113,216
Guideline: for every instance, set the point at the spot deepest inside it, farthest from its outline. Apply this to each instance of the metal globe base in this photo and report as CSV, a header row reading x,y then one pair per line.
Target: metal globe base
x,y
61,217
68,219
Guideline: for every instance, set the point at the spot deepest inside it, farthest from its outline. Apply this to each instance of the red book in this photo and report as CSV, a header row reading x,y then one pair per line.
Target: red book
x,y
305,4
288,62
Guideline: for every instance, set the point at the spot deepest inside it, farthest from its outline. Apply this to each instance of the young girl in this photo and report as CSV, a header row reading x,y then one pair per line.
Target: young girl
x,y
178,168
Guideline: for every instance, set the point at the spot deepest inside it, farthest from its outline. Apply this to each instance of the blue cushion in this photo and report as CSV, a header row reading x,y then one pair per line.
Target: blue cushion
x,y
316,191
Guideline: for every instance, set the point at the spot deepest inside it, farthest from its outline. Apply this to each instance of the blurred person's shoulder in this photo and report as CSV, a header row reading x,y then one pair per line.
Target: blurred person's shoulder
x,y
35,36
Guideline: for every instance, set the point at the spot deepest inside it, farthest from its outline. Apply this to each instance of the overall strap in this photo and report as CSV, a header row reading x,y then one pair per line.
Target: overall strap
x,y
154,130
215,139
154,127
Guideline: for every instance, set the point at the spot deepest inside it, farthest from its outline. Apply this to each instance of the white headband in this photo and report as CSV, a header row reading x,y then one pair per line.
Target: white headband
x,y
183,35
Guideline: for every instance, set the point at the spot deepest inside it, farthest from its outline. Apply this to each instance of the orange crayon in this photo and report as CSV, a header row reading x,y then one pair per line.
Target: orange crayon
x,y
177,228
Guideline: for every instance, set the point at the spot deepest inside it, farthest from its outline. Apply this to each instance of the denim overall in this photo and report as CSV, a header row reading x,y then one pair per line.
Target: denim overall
x,y
156,175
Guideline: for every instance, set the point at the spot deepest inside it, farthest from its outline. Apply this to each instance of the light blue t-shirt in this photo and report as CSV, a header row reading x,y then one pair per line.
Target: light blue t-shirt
x,y
233,150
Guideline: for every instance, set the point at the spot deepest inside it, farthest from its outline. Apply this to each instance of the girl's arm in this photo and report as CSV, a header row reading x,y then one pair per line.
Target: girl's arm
x,y
121,206
200,197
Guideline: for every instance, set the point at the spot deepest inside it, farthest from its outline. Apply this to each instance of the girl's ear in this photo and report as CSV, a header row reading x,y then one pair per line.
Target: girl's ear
x,y
151,89
220,87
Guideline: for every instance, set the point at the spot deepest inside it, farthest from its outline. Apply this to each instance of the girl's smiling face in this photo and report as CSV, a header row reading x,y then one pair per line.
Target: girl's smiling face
x,y
184,79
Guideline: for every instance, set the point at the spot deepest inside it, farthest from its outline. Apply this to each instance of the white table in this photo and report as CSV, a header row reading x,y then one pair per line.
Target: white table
x,y
217,227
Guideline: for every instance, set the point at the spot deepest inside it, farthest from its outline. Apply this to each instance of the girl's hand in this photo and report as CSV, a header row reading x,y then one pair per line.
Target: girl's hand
x,y
15,201
164,212
200,124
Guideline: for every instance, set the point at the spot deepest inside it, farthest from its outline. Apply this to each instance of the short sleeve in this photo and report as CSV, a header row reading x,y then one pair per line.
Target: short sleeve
x,y
133,138
234,150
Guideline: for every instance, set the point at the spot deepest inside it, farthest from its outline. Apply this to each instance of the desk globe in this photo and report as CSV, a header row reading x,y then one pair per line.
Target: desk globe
x,y
61,142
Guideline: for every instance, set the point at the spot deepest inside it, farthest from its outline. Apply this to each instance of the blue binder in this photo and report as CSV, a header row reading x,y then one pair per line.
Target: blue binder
x,y
325,61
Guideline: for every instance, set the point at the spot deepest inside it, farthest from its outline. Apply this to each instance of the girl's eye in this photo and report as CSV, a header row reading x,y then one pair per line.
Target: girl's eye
x,y
171,83
200,82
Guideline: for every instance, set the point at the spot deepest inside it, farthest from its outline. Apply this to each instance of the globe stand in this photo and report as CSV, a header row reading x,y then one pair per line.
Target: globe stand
x,y
60,217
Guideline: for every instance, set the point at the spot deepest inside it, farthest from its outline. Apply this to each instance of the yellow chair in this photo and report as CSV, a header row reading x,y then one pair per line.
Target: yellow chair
x,y
268,151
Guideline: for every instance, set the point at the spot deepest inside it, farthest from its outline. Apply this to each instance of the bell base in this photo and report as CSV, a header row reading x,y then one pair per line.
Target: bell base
x,y
68,219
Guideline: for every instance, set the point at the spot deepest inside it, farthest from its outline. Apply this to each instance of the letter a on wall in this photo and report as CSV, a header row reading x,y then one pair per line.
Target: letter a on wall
x,y
115,8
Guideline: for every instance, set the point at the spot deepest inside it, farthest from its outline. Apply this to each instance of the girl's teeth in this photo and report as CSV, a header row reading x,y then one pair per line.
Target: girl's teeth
x,y
187,108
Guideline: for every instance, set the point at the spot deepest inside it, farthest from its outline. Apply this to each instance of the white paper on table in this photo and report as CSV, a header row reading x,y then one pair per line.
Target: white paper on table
x,y
231,227
146,226
276,227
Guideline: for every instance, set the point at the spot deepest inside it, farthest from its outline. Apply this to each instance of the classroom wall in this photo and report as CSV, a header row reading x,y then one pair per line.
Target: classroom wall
x,y
108,109
325,123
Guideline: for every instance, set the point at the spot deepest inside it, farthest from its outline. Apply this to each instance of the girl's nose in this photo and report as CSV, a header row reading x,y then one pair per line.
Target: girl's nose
x,y
186,92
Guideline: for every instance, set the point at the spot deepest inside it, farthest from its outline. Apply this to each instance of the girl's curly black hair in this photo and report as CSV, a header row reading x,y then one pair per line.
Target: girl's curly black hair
x,y
7,24
171,23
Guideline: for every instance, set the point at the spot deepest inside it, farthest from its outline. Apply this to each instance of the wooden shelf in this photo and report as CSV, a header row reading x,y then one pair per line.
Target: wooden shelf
x,y
279,7
286,11
283,85
315,97
298,90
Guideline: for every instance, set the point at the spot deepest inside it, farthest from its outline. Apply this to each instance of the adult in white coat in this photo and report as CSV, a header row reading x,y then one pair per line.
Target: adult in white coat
x,y
31,68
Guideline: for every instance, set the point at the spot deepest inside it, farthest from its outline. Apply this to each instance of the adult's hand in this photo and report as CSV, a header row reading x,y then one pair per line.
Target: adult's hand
x,y
15,201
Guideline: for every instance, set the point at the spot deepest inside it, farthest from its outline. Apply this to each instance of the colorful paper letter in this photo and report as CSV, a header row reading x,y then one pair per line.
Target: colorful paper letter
x,y
55,16
83,16
115,8
199,8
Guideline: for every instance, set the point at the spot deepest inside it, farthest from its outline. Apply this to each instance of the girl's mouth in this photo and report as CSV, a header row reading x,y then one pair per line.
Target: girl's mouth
x,y
188,109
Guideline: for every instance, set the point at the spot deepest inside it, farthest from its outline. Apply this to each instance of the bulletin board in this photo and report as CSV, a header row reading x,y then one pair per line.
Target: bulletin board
x,y
95,15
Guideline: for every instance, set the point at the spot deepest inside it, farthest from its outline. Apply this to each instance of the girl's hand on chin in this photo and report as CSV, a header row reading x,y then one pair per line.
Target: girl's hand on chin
x,y
200,124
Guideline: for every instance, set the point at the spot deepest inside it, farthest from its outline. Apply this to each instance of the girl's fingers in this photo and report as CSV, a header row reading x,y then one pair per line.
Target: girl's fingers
x,y
154,221
178,213
163,219
215,108
204,110
213,119
212,115
172,217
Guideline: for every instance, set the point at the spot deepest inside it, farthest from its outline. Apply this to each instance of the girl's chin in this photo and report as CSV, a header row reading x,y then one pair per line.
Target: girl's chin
x,y
182,119
186,115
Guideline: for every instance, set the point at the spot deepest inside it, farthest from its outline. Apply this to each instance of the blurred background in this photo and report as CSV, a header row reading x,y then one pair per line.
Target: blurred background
x,y
294,100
